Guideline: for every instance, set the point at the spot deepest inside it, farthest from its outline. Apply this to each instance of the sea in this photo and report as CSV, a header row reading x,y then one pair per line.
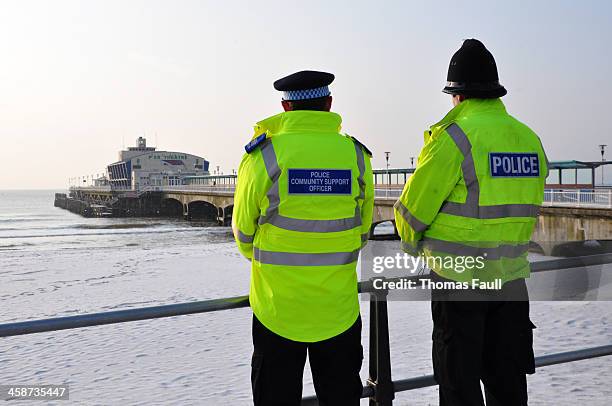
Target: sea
x,y
54,263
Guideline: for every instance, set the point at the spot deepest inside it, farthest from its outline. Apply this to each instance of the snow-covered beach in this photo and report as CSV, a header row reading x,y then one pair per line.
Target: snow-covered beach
x,y
54,263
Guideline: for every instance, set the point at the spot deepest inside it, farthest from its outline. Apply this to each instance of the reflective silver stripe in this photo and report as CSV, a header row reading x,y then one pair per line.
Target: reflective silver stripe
x,y
301,259
361,167
361,181
508,210
460,138
493,212
489,253
471,207
271,163
312,226
247,239
454,208
416,224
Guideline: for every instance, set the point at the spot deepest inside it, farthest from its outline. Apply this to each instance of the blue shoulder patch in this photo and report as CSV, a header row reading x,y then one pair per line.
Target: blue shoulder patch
x,y
254,143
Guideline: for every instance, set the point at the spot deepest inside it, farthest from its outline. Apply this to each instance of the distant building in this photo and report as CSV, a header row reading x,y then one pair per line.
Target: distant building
x,y
141,166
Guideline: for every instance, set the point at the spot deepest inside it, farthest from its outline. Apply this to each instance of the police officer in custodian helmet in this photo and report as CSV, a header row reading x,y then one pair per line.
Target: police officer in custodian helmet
x,y
302,211
474,197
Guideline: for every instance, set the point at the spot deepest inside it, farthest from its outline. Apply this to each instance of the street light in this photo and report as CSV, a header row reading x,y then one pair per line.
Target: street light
x,y
388,174
602,149
412,162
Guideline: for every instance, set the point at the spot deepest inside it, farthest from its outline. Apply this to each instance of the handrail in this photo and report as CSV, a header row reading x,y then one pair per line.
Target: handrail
x,y
380,388
121,316
425,381
587,198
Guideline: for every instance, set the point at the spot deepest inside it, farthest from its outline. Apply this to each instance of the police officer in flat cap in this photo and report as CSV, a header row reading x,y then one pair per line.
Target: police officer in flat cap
x,y
474,198
302,212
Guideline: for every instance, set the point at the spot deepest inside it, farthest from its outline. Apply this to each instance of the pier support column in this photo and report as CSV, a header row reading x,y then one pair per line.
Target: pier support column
x,y
224,217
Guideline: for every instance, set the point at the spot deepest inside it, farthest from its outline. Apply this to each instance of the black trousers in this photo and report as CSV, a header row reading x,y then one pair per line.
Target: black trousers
x,y
488,340
277,368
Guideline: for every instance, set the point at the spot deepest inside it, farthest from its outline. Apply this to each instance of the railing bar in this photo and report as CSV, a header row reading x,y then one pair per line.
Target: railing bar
x,y
146,313
121,316
576,355
572,262
542,361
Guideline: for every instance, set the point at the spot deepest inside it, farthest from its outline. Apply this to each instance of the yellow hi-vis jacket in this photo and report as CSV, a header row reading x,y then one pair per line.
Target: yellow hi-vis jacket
x,y
471,205
302,211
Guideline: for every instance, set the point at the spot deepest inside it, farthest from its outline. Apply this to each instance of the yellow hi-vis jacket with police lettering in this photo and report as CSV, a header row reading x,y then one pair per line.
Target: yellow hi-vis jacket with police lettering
x,y
471,205
302,210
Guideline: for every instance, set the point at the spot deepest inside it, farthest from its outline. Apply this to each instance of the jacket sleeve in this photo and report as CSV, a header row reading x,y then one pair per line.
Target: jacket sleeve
x,y
436,175
246,205
367,207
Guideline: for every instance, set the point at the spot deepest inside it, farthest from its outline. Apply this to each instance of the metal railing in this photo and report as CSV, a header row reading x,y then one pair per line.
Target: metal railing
x,y
590,198
387,193
380,387
595,198
201,188
127,191
380,192
105,188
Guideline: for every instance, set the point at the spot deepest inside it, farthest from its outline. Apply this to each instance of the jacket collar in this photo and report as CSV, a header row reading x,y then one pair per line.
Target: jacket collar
x,y
299,120
469,107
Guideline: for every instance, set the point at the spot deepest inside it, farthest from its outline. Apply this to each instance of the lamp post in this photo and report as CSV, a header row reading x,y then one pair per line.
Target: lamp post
x,y
602,149
387,153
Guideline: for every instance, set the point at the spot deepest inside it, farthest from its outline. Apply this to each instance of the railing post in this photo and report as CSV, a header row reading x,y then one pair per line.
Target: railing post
x,y
373,362
380,355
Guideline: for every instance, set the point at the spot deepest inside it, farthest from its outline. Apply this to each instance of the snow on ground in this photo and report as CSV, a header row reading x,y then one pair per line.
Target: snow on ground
x,y
205,359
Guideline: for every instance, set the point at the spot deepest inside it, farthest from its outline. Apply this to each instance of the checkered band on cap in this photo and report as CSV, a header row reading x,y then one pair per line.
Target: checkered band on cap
x,y
306,94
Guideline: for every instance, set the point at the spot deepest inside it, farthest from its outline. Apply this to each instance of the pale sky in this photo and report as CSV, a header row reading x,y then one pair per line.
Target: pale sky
x,y
80,78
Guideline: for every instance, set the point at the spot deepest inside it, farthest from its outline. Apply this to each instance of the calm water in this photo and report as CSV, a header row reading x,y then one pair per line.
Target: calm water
x,y
55,263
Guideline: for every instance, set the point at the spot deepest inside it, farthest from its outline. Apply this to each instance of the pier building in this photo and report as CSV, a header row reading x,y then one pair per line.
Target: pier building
x,y
142,166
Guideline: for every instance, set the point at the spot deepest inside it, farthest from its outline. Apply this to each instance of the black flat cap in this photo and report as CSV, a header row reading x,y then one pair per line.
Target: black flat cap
x,y
306,79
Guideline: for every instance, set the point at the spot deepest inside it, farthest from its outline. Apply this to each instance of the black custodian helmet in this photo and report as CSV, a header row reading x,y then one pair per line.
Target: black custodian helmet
x,y
472,72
